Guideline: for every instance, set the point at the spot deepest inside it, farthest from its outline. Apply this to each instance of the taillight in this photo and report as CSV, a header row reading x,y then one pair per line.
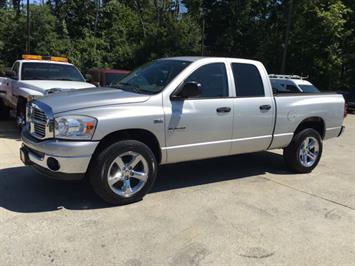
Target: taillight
x,y
345,109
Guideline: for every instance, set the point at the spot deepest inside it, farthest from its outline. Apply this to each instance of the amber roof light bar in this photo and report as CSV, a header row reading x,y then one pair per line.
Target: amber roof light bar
x,y
45,57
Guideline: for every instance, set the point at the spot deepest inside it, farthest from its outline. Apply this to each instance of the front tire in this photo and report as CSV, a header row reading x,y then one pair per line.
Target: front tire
x,y
21,112
123,172
4,111
304,152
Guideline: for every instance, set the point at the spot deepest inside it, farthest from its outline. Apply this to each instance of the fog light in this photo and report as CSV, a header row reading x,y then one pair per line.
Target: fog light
x,y
53,164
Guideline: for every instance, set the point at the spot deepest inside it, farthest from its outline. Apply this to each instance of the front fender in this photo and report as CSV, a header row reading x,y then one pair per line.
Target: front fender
x,y
27,93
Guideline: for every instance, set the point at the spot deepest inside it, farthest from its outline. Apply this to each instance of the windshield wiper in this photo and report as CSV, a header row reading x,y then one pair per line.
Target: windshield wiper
x,y
65,79
135,88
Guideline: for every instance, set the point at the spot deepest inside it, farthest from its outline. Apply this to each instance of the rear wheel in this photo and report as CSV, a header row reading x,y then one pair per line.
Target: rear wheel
x,y
123,172
304,152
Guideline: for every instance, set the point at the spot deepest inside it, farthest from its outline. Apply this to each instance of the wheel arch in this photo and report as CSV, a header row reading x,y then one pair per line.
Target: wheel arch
x,y
314,122
142,135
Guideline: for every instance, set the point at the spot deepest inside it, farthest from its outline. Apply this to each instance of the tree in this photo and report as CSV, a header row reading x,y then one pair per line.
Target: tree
x,y
3,3
126,33
255,29
316,37
16,4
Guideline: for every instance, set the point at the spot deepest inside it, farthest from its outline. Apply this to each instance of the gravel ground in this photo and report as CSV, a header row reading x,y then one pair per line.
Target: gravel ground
x,y
244,209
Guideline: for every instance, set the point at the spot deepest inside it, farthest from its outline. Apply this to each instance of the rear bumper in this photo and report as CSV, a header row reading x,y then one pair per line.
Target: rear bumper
x,y
56,158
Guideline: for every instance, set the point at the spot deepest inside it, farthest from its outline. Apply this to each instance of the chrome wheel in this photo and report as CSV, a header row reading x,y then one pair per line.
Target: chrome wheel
x,y
309,151
128,174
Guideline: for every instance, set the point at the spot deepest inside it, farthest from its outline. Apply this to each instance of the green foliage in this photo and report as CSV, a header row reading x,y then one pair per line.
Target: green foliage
x,y
320,41
126,33
116,34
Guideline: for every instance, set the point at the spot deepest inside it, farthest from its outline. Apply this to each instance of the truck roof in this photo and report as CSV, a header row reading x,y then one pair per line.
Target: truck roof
x,y
197,58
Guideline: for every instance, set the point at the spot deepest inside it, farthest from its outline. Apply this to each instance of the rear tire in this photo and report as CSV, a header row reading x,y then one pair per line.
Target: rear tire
x,y
304,152
123,172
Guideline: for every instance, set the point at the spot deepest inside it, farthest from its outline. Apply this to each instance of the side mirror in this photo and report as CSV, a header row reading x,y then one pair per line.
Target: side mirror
x,y
189,89
11,74
88,77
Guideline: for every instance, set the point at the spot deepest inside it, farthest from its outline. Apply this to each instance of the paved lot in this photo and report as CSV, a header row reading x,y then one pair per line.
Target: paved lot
x,y
241,210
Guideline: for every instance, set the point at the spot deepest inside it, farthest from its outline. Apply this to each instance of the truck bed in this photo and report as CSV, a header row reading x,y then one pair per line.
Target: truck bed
x,y
293,108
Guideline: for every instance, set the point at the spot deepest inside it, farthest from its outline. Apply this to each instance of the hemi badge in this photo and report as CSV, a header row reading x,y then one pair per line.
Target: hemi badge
x,y
158,121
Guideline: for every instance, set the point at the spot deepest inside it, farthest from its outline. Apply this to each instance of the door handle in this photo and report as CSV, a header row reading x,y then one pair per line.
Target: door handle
x,y
223,110
265,107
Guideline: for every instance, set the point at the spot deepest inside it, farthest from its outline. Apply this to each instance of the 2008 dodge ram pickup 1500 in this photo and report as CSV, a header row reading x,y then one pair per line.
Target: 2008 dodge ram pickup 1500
x,y
173,110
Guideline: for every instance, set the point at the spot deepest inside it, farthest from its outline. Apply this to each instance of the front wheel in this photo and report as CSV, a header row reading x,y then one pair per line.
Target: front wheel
x,y
123,172
304,152
4,111
21,112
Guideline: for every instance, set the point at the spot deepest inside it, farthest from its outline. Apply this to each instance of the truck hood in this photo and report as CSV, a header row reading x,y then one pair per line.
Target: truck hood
x,y
88,98
45,85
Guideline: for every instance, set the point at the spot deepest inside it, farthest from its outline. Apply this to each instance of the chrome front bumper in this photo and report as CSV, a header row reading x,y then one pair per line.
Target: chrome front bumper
x,y
73,157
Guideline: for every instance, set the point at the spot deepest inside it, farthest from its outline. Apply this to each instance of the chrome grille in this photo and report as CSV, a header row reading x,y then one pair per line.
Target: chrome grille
x,y
39,122
39,129
39,115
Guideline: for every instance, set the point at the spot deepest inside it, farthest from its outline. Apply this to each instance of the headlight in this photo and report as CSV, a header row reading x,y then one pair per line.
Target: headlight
x,y
74,127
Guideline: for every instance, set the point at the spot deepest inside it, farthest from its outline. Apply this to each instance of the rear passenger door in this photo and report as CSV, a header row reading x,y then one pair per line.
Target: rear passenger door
x,y
254,109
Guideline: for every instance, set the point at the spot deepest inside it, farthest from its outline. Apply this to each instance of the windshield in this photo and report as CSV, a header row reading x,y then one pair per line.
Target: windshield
x,y
151,78
48,71
113,78
309,88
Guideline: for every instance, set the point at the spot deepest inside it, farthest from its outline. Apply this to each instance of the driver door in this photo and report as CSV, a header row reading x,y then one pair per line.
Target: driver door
x,y
201,127
12,84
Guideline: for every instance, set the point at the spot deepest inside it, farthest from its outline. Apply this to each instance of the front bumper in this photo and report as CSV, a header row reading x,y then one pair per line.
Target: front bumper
x,y
60,159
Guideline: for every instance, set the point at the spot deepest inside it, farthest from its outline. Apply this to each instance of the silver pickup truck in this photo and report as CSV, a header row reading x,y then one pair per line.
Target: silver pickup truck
x,y
174,110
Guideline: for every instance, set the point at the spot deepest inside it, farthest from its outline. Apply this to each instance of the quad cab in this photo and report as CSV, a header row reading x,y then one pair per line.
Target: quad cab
x,y
174,110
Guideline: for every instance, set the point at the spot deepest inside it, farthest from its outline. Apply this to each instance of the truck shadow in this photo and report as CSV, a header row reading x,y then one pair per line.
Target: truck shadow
x,y
24,190
9,130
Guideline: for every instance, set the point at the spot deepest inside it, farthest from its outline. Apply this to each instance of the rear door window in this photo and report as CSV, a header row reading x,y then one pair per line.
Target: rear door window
x,y
247,80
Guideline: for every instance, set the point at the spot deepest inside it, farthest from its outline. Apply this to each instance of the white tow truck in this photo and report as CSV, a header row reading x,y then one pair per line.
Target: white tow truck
x,y
35,76
291,84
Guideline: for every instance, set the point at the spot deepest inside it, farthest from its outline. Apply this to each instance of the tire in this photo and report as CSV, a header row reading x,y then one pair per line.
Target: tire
x,y
21,112
110,163
298,158
4,111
